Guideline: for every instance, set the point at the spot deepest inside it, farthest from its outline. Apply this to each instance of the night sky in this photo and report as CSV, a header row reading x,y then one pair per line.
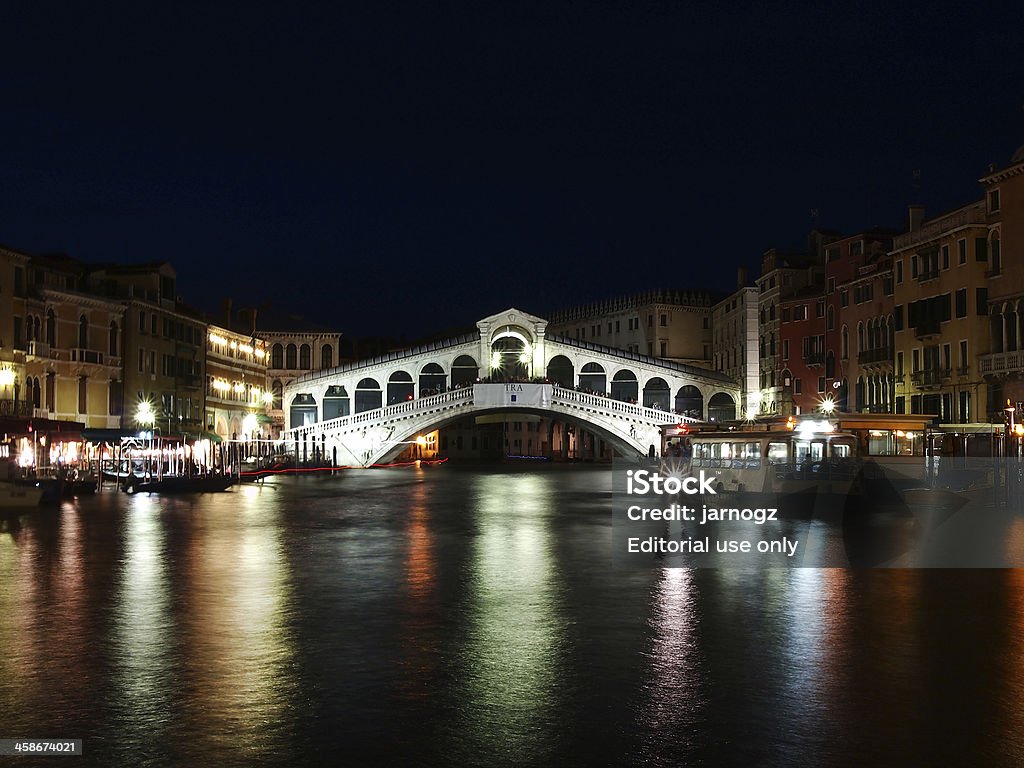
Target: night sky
x,y
405,168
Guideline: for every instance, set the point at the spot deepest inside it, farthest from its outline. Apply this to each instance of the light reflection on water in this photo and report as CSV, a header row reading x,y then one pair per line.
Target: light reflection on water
x,y
459,616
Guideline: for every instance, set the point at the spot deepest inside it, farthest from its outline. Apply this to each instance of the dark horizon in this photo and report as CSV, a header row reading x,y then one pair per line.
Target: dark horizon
x,y
383,171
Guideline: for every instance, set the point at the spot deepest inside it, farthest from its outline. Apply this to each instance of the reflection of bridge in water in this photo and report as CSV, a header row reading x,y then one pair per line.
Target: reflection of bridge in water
x,y
366,412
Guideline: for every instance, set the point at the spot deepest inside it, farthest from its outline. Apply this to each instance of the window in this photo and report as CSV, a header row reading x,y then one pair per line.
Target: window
x,y
980,249
785,349
913,267
993,200
785,315
51,328
152,361
831,285
305,357
142,321
798,386
616,326
947,358
899,272
961,302
707,322
650,321
831,318
277,356
112,341
821,384
142,358
961,249
291,356
963,357
981,301
945,257
327,356
153,323
899,363
83,394
664,349
844,298
857,248
663,321
83,334
819,310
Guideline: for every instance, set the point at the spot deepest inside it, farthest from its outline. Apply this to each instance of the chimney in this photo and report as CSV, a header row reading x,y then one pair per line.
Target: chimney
x,y
741,277
916,217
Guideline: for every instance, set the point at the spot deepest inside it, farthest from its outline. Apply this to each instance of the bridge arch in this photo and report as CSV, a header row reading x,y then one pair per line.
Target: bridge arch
x,y
593,378
721,407
336,402
625,386
368,395
657,394
302,410
690,402
465,370
400,387
432,379
561,371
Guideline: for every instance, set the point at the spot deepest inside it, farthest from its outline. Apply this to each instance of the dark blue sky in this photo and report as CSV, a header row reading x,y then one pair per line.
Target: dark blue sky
x,y
402,168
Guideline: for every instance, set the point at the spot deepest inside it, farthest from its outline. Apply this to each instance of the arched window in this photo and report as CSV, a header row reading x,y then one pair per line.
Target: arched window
x,y
860,337
277,357
326,356
844,343
831,318
305,357
290,357
83,333
51,328
278,390
112,351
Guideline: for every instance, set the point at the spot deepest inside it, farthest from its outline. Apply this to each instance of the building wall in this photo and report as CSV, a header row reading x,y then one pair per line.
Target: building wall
x,y
282,370
735,343
236,382
935,262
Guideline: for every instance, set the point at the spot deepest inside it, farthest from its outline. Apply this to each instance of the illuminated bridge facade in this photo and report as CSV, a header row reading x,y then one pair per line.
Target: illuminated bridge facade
x,y
369,411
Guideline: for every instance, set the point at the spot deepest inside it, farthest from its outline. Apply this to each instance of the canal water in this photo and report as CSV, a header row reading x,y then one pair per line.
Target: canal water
x,y
473,616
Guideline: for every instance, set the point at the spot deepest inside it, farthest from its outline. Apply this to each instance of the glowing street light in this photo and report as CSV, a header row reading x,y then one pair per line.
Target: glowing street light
x,y
249,424
828,406
144,414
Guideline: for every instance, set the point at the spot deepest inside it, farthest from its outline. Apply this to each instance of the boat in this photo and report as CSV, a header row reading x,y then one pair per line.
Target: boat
x,y
16,495
179,484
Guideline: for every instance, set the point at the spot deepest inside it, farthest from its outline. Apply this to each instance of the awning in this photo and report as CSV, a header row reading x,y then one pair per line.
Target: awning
x,y
262,418
96,435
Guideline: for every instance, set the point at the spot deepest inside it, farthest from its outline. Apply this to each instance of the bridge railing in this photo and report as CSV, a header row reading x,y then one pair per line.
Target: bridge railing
x,y
379,414
611,404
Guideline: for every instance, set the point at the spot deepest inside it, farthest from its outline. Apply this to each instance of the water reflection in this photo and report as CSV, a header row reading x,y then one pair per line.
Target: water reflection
x,y
511,691
239,677
144,632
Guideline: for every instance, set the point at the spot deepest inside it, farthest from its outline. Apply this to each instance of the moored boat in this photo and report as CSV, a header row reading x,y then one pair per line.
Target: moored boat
x,y
180,484
16,495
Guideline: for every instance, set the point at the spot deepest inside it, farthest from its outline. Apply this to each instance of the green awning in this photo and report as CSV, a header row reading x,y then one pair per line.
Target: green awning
x,y
262,418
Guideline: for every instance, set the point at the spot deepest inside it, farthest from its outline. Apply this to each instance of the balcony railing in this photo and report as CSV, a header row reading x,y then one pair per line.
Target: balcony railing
x,y
86,356
877,355
973,214
10,407
931,274
931,377
38,349
814,358
1002,362
963,370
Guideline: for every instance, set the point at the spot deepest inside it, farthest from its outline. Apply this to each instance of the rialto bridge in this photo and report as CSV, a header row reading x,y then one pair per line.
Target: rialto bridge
x,y
367,412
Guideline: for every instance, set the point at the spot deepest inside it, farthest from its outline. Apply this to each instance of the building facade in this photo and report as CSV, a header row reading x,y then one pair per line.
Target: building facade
x,y
237,395
735,343
940,317
672,325
293,353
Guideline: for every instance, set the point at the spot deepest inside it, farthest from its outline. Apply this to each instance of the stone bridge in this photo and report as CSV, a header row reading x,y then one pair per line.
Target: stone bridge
x,y
368,411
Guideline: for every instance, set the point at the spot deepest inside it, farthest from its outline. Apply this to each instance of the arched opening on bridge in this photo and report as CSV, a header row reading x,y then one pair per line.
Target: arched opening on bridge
x,y
400,387
368,395
336,403
432,380
657,394
593,378
690,402
625,386
511,358
721,407
464,371
561,371
303,411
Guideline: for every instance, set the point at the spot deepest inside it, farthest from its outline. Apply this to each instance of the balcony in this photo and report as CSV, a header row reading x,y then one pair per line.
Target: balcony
x,y
963,370
972,214
814,358
931,274
873,356
927,328
9,407
1002,363
932,377
86,356
189,381
38,349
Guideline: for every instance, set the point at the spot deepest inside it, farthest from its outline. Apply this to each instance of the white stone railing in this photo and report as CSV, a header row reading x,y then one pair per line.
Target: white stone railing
x,y
654,415
422,404
1002,362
